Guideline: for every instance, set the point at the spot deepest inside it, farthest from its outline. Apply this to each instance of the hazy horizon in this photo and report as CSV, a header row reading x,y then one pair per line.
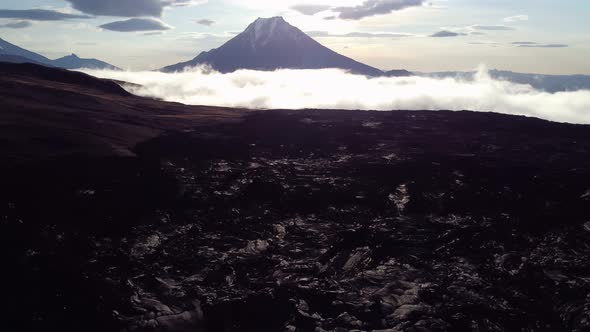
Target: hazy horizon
x,y
416,35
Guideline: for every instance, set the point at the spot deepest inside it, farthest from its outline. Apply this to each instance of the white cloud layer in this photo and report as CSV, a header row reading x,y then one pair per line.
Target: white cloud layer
x,y
336,89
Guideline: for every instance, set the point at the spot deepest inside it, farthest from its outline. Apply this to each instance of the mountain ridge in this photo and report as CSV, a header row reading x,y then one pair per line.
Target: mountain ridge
x,y
12,53
544,82
7,48
74,62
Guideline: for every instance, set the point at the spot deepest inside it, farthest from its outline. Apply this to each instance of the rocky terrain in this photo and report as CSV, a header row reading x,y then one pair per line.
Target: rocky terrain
x,y
298,221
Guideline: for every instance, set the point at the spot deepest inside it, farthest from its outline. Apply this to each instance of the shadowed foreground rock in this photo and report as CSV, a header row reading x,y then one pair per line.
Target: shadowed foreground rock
x,y
310,221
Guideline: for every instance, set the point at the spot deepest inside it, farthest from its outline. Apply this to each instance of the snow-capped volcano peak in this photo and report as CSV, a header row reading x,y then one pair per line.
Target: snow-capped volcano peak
x,y
262,24
263,30
273,43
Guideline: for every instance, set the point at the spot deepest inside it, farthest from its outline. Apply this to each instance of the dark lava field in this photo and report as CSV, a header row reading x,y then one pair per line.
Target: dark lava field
x,y
307,221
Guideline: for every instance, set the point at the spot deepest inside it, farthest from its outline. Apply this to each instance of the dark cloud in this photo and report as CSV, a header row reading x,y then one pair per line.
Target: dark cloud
x,y
493,27
205,21
124,8
330,18
128,8
375,7
39,15
17,25
136,24
310,9
445,33
358,34
523,43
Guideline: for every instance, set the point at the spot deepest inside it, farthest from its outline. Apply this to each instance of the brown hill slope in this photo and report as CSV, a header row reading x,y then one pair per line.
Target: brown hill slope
x,y
49,112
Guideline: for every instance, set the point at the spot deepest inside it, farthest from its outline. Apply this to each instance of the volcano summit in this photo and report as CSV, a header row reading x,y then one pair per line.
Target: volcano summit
x,y
272,43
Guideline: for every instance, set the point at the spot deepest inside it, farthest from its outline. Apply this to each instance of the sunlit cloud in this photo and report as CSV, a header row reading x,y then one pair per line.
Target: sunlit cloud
x,y
336,89
309,9
492,27
516,18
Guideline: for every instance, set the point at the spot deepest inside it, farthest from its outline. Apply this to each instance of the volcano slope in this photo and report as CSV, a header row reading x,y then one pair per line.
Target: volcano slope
x,y
300,221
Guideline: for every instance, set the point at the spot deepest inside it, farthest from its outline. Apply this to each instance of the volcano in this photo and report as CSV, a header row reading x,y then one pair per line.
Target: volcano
x,y
270,44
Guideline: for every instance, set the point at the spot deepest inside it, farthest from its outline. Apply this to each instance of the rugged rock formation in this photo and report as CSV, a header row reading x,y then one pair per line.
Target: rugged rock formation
x,y
309,221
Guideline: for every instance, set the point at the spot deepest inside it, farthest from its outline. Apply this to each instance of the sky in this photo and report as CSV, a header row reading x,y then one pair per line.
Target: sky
x,y
533,36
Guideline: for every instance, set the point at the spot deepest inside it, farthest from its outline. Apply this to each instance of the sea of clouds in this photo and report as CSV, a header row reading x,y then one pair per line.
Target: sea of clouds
x,y
337,89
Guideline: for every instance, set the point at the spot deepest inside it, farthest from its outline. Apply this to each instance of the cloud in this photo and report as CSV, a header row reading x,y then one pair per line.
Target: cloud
x,y
17,25
136,24
309,9
375,7
205,21
543,45
359,34
154,33
493,27
516,18
128,8
486,43
445,33
39,15
535,44
182,3
336,89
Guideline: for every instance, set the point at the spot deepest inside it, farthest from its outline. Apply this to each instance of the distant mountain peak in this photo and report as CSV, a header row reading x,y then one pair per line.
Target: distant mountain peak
x,y
270,44
72,56
13,53
72,61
